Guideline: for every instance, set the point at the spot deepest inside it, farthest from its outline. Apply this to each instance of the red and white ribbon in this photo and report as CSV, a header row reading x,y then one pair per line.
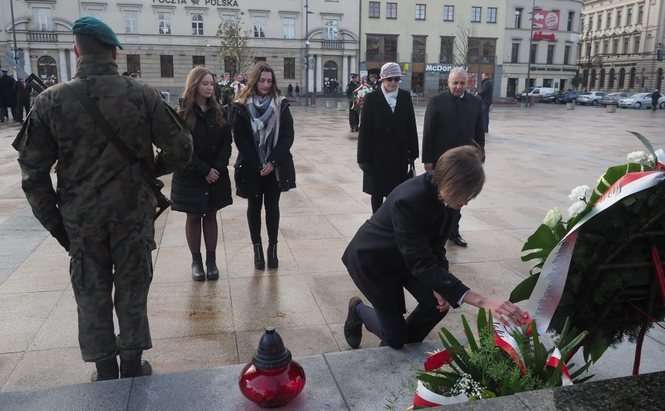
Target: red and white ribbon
x,y
554,361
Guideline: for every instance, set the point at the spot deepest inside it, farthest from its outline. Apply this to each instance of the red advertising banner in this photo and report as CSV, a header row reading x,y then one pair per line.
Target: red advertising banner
x,y
546,20
543,36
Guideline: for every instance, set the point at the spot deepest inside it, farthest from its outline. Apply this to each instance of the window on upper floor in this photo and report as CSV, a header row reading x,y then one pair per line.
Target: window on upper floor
x,y
446,54
626,45
419,49
608,19
619,21
197,25
491,15
566,55
518,17
391,10
289,27
550,53
571,19
374,9
640,14
421,11
42,18
164,24
476,14
131,22
515,53
332,28
448,13
629,15
258,26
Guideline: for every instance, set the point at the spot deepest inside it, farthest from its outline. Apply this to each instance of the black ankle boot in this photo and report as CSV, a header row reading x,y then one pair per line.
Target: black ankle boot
x,y
107,369
273,262
212,272
197,268
259,259
131,365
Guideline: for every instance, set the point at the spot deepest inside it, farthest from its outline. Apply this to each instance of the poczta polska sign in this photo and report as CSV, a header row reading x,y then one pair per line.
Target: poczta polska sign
x,y
208,3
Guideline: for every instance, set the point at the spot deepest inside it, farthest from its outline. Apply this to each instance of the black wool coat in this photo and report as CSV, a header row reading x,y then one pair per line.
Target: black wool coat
x,y
387,142
405,237
248,165
451,122
190,192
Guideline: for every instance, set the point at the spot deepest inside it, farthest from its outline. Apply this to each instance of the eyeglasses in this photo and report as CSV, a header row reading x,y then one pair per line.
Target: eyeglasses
x,y
397,79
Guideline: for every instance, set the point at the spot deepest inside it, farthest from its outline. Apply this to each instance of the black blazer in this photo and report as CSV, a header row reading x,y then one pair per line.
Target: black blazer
x,y
405,237
451,122
248,165
387,142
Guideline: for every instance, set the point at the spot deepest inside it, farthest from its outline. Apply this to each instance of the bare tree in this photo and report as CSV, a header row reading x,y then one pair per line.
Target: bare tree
x,y
233,45
462,46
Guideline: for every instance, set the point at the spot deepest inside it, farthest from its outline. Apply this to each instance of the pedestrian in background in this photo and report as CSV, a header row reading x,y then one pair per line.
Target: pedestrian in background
x,y
486,93
263,133
22,100
203,187
354,112
452,119
654,100
7,95
100,128
388,138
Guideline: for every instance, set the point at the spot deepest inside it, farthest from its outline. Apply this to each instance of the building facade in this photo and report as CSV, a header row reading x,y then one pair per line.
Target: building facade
x,y
620,45
545,54
163,39
429,37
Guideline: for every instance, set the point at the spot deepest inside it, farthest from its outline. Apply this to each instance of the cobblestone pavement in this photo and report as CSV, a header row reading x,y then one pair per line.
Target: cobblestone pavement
x,y
533,159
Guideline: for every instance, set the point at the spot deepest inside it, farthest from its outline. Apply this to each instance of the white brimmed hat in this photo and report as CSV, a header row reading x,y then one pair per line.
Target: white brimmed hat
x,y
390,70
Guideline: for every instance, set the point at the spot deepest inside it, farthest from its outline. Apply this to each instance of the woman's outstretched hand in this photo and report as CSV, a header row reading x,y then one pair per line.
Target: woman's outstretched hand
x,y
441,304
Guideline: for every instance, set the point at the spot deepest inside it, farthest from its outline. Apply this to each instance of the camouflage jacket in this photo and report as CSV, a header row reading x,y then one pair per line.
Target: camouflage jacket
x,y
96,183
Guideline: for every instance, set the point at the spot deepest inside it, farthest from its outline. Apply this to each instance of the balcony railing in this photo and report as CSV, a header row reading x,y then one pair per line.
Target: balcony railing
x,y
42,36
332,44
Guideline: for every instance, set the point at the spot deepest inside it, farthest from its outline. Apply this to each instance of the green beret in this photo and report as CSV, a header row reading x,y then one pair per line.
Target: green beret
x,y
90,26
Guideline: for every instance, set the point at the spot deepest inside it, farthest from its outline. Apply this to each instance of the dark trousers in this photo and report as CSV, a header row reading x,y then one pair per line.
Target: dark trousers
x,y
454,232
111,268
393,329
20,108
354,117
485,110
268,197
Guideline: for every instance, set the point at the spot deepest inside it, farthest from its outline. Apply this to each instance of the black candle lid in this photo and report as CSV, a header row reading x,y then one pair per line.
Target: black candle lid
x,y
271,353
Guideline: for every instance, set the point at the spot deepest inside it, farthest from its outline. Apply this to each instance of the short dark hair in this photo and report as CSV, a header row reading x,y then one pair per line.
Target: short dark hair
x,y
459,174
89,45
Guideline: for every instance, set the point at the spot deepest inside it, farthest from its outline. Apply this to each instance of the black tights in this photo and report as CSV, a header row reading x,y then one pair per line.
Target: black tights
x,y
193,231
377,200
271,201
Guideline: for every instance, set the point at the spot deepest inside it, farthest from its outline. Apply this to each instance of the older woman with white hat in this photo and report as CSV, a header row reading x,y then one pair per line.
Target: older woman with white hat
x,y
388,138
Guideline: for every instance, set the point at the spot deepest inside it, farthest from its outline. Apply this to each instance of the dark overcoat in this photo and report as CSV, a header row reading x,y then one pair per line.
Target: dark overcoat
x,y
387,142
405,237
190,192
451,122
248,165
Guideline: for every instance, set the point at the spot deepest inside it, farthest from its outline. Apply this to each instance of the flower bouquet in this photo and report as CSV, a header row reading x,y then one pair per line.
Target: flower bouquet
x,y
498,360
359,96
602,270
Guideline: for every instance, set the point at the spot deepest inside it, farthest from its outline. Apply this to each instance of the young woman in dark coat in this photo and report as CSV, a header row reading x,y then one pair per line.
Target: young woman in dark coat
x,y
263,133
388,138
203,187
402,246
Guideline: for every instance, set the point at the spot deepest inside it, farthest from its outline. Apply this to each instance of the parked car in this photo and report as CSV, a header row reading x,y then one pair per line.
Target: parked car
x,y
613,98
551,98
638,101
537,93
590,97
567,97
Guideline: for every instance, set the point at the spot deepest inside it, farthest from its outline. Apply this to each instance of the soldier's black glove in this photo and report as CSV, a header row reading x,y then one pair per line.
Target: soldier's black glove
x,y
60,234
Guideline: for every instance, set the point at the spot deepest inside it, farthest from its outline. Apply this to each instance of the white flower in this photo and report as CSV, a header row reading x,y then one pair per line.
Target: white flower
x,y
579,193
576,208
552,218
640,157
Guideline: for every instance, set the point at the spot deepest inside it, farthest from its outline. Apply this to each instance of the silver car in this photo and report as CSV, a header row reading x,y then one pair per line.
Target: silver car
x,y
638,101
590,97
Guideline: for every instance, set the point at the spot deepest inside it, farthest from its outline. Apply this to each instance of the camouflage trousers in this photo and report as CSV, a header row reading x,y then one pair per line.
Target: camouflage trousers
x,y
111,266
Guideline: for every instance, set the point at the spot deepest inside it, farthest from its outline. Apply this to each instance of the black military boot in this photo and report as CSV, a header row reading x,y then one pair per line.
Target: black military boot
x,y
212,272
273,262
107,369
198,274
131,364
259,259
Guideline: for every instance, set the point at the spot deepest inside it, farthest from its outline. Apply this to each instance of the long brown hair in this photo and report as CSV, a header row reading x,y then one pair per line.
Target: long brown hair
x,y
254,76
194,78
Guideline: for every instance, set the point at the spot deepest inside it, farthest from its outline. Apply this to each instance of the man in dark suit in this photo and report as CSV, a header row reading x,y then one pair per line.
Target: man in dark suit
x,y
354,112
402,246
452,119
486,93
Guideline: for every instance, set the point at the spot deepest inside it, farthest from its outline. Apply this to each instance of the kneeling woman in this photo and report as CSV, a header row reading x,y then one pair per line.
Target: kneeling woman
x,y
263,133
403,246
203,187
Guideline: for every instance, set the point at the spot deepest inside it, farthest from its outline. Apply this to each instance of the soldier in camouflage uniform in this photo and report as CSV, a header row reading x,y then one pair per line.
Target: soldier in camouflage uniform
x,y
103,210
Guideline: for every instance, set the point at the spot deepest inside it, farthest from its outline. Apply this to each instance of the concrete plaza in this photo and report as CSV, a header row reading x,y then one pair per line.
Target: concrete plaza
x,y
534,158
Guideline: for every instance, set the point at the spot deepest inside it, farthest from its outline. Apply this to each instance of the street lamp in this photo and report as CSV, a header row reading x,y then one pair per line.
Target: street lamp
x,y
307,13
528,66
11,7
